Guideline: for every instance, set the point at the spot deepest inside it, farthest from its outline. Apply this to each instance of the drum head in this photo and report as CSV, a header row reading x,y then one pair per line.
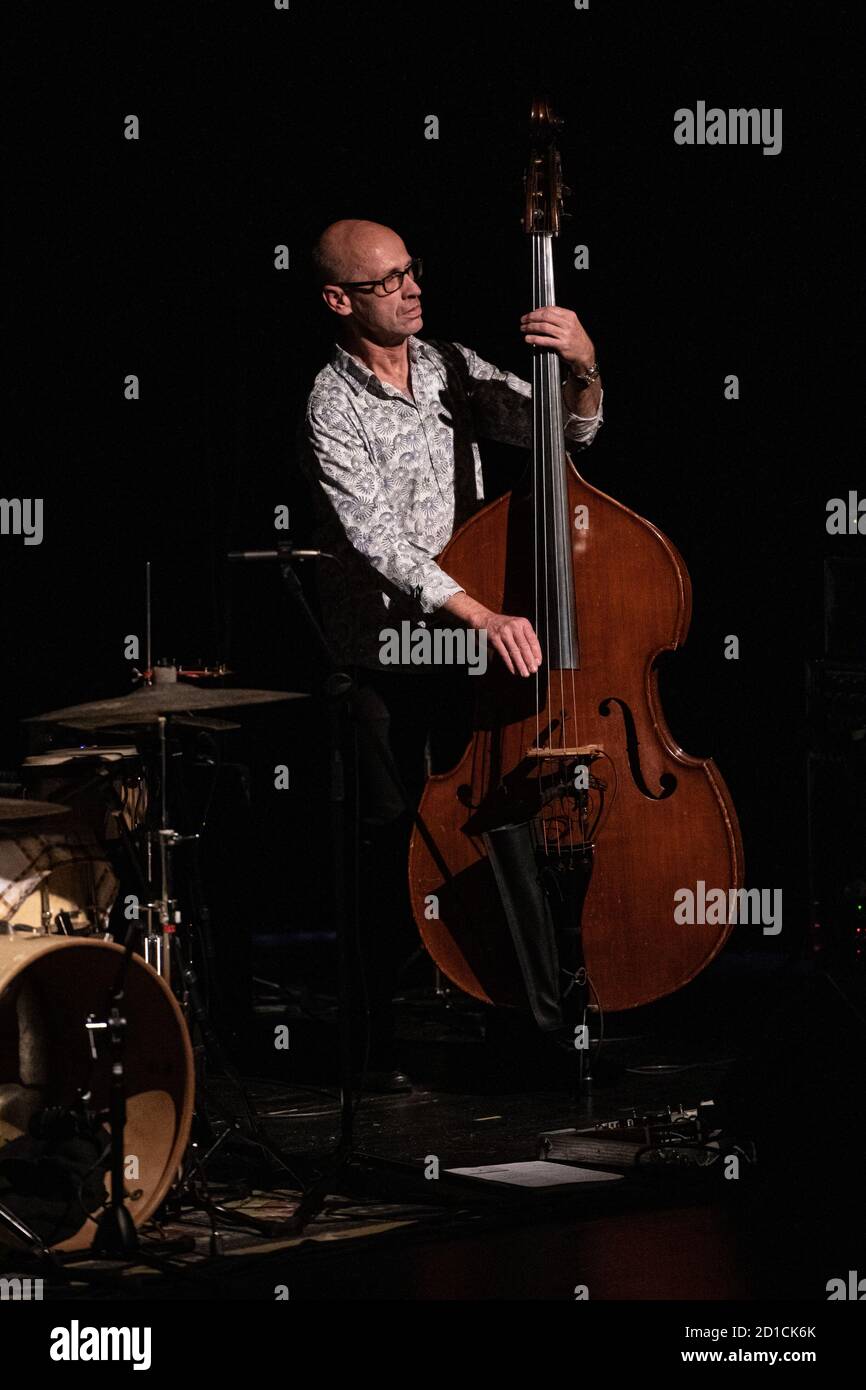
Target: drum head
x,y
48,987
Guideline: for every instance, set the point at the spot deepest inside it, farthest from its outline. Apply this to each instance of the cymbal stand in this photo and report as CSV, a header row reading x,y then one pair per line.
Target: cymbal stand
x,y
161,908
157,942
164,941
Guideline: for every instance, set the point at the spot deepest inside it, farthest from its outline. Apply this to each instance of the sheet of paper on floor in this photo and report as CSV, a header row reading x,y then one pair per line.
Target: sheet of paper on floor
x,y
535,1173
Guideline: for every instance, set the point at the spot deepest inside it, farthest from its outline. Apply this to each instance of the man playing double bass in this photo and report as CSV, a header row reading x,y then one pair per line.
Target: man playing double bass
x,y
390,449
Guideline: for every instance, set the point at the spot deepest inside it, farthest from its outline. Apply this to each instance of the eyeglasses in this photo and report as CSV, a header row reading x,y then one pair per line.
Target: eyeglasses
x,y
390,284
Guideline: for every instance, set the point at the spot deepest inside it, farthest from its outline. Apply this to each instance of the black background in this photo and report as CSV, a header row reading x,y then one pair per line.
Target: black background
x,y
258,127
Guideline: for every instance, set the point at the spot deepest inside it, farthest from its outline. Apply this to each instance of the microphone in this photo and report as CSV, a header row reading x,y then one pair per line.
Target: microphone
x,y
286,552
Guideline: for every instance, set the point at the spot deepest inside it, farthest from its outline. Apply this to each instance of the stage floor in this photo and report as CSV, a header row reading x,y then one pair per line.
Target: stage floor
x,y
781,1230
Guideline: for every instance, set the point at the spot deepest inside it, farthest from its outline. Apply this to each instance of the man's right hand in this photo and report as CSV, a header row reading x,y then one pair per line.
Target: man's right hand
x,y
513,638
515,641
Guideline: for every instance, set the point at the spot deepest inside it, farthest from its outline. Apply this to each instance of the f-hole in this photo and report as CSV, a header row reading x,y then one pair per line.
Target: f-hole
x,y
667,781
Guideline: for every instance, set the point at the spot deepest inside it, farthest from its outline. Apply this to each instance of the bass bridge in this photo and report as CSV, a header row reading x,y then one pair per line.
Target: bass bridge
x,y
574,801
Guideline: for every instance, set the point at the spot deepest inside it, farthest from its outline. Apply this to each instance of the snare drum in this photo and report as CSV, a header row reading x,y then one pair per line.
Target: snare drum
x,y
66,869
70,775
84,891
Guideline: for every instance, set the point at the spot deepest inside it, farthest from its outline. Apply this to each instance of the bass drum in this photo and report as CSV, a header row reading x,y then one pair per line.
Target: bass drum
x,y
48,987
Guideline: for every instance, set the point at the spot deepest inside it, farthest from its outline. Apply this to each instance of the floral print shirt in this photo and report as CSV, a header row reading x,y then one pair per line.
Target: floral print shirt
x,y
393,478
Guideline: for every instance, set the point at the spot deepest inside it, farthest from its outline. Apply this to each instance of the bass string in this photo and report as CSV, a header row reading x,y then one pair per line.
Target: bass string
x,y
564,537
548,455
568,541
550,371
540,510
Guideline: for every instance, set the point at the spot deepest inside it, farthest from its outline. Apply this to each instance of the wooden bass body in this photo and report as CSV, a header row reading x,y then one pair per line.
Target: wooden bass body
x,y
668,821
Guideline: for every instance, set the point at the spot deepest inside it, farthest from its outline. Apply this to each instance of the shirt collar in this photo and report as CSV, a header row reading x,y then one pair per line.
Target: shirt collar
x,y
351,367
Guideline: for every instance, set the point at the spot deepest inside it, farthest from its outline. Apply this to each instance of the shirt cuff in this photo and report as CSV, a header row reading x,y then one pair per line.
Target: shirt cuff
x,y
436,590
583,428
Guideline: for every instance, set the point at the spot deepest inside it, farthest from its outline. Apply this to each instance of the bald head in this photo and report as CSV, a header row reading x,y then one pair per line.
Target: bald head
x,y
347,249
357,251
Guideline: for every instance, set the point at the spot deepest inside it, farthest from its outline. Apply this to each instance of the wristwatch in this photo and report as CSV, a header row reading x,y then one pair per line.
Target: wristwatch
x,y
589,375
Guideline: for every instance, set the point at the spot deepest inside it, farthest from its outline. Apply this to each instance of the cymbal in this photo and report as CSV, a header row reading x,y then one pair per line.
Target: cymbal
x,y
12,809
61,757
145,706
191,722
208,722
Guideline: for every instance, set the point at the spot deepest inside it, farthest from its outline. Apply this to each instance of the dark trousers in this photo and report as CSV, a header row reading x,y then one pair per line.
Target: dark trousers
x,y
409,717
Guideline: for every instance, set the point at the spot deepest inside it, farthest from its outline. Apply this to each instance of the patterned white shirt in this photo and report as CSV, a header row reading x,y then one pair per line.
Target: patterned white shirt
x,y
393,478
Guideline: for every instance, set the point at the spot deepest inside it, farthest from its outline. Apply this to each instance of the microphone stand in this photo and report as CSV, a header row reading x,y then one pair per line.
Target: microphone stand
x,y
21,1231
339,692
33,1244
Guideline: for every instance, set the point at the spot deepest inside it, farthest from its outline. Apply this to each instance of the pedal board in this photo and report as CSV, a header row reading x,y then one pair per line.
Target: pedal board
x,y
680,1138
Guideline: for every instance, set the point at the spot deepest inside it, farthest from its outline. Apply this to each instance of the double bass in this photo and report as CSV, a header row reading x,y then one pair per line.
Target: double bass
x,y
557,846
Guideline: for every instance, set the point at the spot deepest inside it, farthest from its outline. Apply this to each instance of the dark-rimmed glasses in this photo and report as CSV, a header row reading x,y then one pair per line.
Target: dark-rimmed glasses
x,y
390,284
